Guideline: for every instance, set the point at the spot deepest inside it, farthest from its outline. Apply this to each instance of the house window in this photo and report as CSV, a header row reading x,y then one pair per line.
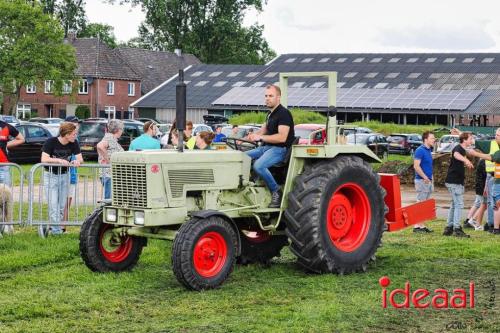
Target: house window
x,y
66,89
131,89
110,112
49,86
22,110
31,89
111,88
83,87
488,60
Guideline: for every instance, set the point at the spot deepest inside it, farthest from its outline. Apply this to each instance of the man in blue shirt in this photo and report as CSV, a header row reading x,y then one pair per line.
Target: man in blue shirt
x,y
146,140
219,137
422,164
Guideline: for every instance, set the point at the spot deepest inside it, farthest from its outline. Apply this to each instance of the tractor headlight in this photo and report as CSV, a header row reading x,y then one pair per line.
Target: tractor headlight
x,y
111,214
139,218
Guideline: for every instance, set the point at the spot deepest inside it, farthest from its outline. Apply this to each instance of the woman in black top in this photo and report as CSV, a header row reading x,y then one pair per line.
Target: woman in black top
x,y
58,151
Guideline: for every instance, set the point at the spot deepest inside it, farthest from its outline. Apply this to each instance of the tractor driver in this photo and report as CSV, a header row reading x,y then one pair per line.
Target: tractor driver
x,y
277,136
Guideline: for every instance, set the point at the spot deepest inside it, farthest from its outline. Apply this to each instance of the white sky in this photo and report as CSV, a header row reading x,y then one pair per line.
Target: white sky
x,y
309,26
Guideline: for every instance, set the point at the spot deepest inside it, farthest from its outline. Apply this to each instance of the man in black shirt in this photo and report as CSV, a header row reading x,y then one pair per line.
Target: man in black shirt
x,y
455,184
277,135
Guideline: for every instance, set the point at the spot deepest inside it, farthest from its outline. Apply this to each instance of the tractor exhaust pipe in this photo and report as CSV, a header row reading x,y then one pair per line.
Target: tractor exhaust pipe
x,y
180,105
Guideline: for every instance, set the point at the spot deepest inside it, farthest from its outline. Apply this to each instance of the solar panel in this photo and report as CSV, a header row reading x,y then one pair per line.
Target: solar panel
x,y
418,99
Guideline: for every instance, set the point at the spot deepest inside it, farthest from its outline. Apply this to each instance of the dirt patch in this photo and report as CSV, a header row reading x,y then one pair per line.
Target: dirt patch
x,y
440,168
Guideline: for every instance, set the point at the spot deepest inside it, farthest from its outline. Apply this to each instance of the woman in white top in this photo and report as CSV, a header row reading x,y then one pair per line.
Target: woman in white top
x,y
105,148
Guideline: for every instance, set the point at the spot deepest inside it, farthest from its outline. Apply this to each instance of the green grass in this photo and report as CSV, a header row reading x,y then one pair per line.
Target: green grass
x,y
46,288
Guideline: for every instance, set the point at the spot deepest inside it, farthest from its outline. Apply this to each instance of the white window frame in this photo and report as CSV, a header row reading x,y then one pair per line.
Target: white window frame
x,y
31,89
49,86
110,88
23,108
110,109
131,112
67,84
83,87
131,92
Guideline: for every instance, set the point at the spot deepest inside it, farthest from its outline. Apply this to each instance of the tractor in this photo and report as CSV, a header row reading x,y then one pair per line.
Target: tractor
x,y
334,210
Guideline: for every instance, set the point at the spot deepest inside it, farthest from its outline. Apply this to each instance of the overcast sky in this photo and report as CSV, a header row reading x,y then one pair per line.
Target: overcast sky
x,y
309,26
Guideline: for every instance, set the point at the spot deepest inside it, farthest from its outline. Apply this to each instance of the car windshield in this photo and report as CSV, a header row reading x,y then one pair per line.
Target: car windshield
x,y
396,138
54,121
92,129
357,139
303,132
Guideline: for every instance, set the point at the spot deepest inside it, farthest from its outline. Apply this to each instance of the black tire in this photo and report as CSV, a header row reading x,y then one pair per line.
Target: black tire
x,y
260,247
196,244
103,253
345,240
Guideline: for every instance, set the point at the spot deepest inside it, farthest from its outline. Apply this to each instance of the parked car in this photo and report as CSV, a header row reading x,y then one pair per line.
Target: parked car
x,y
404,143
144,120
46,120
304,131
446,143
30,151
92,131
375,141
11,120
213,120
346,130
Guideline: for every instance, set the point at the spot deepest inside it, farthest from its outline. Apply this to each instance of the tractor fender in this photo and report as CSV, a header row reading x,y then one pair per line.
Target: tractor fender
x,y
203,214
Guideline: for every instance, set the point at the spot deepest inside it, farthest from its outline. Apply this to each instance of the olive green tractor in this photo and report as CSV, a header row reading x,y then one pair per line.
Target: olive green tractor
x,y
334,210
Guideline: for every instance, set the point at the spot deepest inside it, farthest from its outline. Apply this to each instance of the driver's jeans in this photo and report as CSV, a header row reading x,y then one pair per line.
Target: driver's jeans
x,y
265,157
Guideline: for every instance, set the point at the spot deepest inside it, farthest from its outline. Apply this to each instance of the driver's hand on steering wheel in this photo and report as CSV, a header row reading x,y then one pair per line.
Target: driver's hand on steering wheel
x,y
254,137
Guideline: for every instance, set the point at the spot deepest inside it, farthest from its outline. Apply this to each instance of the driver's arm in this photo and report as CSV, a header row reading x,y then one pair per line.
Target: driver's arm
x,y
262,130
279,137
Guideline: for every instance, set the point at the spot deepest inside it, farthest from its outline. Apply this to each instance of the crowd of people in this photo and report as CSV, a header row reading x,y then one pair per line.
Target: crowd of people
x,y
487,187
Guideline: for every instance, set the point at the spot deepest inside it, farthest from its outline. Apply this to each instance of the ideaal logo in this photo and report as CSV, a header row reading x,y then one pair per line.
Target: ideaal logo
x,y
423,298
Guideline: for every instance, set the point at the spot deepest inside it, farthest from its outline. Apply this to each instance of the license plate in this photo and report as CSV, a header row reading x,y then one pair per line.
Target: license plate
x,y
87,148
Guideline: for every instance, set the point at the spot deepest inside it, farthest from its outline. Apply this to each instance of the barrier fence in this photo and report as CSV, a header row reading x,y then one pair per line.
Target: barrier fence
x,y
57,196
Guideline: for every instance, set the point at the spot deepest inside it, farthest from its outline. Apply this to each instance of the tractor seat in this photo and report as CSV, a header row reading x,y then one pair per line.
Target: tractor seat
x,y
286,160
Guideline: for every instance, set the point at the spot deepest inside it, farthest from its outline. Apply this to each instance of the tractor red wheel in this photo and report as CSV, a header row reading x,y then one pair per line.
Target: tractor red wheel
x,y
104,250
204,252
349,203
335,215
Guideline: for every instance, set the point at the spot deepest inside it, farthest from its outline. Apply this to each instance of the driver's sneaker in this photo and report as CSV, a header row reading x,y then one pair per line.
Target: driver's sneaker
x,y
275,199
458,232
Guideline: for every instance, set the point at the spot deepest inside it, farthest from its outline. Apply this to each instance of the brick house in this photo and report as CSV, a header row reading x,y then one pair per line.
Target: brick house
x,y
109,81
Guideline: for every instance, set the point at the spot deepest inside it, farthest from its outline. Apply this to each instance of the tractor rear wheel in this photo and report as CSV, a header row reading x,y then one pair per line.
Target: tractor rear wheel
x,y
258,246
204,252
335,215
103,250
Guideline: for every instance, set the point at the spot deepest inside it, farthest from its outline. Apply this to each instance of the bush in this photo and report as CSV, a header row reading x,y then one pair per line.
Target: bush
x,y
300,116
82,112
391,128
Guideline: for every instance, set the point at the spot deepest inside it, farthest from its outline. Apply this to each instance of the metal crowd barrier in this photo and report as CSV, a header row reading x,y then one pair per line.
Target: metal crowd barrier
x,y
11,197
54,203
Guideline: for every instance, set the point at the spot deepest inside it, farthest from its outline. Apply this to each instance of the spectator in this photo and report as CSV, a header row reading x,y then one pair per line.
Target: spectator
x,y
455,184
73,175
219,137
169,139
475,215
58,150
107,147
234,132
422,164
189,139
204,140
146,140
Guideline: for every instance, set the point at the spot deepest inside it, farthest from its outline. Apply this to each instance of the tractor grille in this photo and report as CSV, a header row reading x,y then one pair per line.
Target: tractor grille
x,y
179,178
129,185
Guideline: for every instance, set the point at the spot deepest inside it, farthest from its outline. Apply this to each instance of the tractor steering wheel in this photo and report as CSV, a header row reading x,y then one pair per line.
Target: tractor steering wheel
x,y
235,143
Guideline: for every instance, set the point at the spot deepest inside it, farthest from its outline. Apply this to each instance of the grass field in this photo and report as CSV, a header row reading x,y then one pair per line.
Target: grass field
x,y
45,287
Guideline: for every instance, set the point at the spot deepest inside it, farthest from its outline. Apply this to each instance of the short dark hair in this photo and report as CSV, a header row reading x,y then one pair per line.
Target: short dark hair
x,y
464,136
426,134
234,126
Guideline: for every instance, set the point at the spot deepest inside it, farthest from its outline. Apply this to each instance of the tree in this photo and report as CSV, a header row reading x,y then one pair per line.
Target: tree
x,y
71,13
210,29
32,49
102,31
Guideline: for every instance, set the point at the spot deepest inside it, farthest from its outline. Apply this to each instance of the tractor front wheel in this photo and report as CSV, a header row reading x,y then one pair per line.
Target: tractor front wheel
x,y
104,250
335,215
204,252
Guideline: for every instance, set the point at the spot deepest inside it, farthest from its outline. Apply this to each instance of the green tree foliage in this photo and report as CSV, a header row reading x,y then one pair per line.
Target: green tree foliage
x,y
210,29
102,31
71,13
31,49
